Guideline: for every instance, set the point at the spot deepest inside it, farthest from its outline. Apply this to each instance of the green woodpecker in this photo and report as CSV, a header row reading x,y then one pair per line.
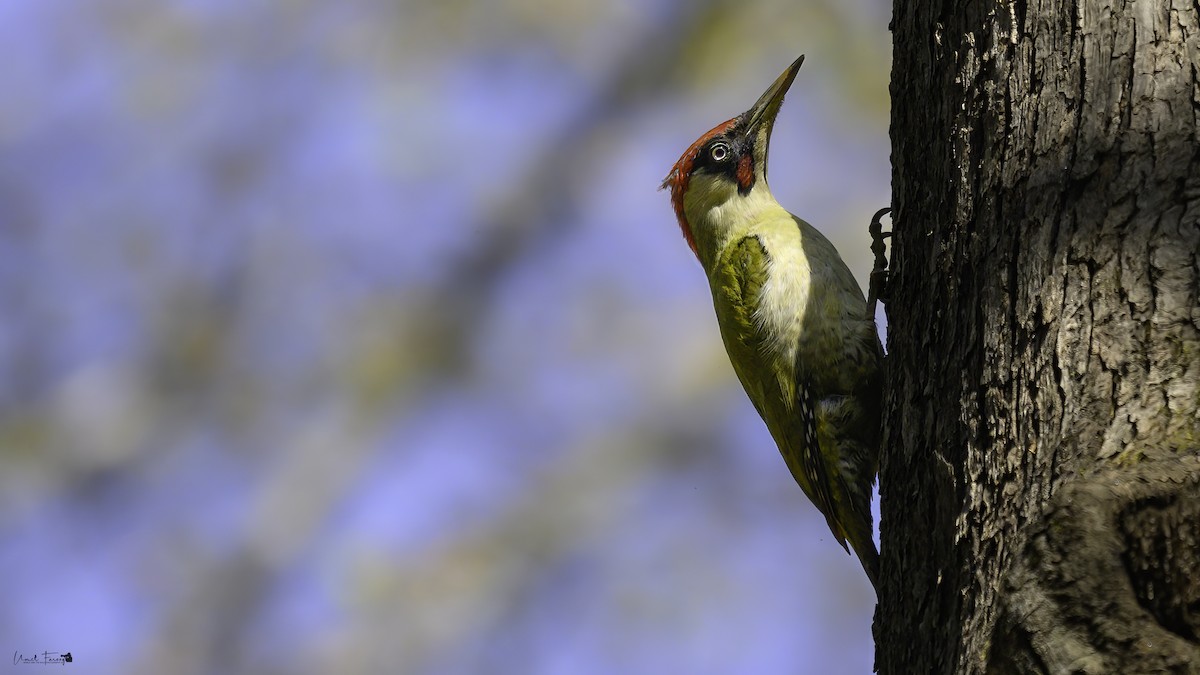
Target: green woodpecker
x,y
792,317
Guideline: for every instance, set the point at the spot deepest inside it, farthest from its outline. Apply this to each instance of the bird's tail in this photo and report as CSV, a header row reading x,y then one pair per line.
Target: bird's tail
x,y
869,557
855,521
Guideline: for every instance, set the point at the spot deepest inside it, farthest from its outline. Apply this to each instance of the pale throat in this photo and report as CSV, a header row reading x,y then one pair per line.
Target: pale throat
x,y
718,214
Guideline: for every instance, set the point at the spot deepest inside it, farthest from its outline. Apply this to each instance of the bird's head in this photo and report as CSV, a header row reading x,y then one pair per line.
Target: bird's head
x,y
727,163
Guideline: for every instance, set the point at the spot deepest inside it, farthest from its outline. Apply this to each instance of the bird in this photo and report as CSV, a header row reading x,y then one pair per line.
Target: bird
x,y
792,318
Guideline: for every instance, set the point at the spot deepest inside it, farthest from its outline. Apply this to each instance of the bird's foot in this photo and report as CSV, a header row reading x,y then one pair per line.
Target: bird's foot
x,y
878,290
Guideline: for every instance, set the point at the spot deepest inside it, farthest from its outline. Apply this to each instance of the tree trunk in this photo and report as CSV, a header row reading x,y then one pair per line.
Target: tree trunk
x,y
1040,478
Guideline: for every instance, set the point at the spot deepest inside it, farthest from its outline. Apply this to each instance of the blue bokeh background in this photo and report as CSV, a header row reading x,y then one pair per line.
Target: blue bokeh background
x,y
356,337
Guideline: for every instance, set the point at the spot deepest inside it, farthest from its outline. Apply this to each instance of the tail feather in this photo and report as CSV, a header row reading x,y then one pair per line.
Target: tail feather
x,y
855,520
869,557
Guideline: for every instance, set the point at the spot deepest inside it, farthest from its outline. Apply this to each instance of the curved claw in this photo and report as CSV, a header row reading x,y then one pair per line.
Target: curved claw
x,y
878,290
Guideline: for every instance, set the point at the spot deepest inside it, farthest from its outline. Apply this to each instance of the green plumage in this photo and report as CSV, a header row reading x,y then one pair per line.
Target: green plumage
x,y
793,319
820,405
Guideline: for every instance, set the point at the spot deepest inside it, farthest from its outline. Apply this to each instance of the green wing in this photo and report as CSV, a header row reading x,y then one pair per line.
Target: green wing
x,y
789,410
741,273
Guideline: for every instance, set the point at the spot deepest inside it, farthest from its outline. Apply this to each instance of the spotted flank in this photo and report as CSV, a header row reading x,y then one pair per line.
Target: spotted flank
x,y
814,463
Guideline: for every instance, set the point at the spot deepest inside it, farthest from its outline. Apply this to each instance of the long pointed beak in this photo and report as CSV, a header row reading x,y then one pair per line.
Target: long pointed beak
x,y
767,106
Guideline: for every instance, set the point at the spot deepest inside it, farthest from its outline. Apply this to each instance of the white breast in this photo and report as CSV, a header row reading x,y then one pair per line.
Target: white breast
x,y
785,297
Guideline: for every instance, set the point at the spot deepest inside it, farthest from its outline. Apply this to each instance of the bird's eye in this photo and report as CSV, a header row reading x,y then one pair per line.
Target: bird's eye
x,y
719,152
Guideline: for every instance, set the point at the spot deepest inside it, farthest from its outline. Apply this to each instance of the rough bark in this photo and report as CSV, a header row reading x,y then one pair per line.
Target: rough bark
x,y
1040,482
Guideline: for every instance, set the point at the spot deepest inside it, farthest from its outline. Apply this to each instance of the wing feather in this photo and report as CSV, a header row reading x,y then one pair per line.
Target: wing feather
x,y
775,388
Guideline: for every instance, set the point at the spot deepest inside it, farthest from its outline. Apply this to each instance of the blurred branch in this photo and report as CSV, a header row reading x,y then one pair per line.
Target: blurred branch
x,y
541,204
207,626
482,582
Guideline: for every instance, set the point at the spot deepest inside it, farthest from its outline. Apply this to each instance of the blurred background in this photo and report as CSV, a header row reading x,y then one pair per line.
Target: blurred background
x,y
356,337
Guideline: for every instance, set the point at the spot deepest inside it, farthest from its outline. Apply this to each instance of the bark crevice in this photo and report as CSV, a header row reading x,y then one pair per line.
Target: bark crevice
x,y
1105,582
